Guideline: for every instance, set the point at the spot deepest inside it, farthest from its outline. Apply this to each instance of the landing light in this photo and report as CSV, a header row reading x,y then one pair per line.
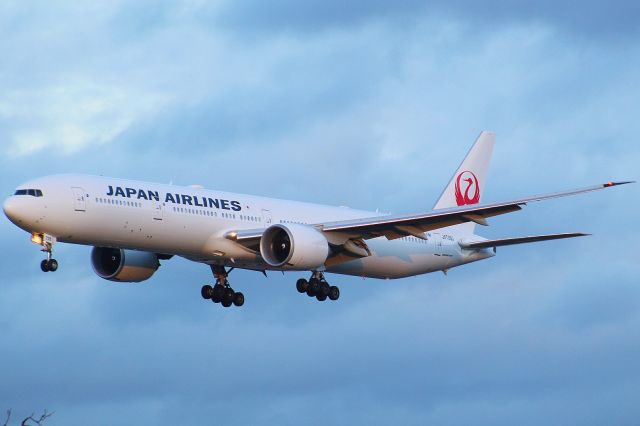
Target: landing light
x,y
37,238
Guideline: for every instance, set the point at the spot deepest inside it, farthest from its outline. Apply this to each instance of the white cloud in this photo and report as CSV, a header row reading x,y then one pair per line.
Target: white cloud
x,y
67,118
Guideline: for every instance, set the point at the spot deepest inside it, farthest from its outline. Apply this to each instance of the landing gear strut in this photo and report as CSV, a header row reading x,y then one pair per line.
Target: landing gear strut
x,y
222,292
46,241
318,287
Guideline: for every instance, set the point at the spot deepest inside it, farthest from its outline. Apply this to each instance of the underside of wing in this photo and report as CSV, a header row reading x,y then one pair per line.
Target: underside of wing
x,y
249,238
398,226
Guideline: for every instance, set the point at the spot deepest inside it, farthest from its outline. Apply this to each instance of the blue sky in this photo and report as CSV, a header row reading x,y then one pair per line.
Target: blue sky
x,y
368,104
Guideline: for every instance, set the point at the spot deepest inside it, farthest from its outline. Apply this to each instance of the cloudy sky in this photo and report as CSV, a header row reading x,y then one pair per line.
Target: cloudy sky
x,y
370,104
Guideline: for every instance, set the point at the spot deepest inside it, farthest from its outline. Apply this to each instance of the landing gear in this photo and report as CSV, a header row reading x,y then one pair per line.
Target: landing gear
x,y
318,287
46,241
222,292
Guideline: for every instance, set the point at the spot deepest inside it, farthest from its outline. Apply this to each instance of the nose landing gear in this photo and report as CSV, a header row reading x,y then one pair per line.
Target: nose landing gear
x,y
46,241
222,292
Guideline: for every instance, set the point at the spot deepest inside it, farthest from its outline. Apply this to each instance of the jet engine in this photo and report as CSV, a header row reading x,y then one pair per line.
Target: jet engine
x,y
294,246
123,265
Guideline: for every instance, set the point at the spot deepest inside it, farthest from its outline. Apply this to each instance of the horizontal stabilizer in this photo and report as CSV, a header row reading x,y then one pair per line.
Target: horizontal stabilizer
x,y
518,240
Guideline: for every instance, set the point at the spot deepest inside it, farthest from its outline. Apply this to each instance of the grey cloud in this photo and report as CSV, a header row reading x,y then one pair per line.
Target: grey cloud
x,y
468,344
590,19
374,117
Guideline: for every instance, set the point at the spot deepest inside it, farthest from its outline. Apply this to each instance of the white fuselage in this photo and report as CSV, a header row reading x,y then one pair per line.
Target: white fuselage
x,y
192,223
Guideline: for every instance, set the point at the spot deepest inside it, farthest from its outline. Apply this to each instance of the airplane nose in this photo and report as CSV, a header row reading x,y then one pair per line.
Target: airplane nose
x,y
10,208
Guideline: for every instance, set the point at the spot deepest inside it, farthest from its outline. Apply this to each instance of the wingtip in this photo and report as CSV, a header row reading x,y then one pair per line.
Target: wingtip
x,y
577,234
610,184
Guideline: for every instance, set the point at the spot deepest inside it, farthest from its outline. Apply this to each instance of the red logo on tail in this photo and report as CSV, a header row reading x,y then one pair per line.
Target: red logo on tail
x,y
471,191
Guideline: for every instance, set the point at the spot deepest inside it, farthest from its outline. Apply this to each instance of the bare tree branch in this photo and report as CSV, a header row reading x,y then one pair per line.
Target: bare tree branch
x,y
6,422
39,421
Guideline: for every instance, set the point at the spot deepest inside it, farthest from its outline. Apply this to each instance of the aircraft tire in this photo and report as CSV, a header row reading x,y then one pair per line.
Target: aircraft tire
x,y
314,286
229,295
226,303
324,289
334,293
206,291
217,294
53,265
44,265
302,285
321,297
238,299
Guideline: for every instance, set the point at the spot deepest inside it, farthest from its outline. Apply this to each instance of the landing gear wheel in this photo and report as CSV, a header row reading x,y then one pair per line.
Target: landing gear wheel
x,y
44,265
302,285
334,293
229,295
53,265
217,294
314,286
238,299
226,303
324,289
321,297
207,291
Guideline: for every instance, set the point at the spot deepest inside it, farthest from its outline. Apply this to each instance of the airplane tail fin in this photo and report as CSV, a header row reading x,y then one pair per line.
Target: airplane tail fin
x,y
467,184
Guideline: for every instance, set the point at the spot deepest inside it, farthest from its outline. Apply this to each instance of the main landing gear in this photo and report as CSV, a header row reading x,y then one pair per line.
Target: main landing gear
x,y
222,292
318,287
46,241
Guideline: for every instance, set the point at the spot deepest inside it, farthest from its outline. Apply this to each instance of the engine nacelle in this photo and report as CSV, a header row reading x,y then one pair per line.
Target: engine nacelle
x,y
123,265
294,246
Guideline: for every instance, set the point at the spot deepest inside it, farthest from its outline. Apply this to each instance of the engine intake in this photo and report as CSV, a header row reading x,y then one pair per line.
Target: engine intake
x,y
123,265
294,246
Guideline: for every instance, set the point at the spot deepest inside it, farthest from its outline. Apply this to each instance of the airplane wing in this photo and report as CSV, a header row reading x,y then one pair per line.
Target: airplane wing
x,y
399,226
518,240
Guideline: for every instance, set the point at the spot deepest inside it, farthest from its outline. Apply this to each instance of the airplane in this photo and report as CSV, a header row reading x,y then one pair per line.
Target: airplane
x,y
133,225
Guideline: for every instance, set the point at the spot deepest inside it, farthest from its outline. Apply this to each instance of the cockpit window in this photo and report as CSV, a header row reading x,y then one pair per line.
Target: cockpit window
x,y
31,192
